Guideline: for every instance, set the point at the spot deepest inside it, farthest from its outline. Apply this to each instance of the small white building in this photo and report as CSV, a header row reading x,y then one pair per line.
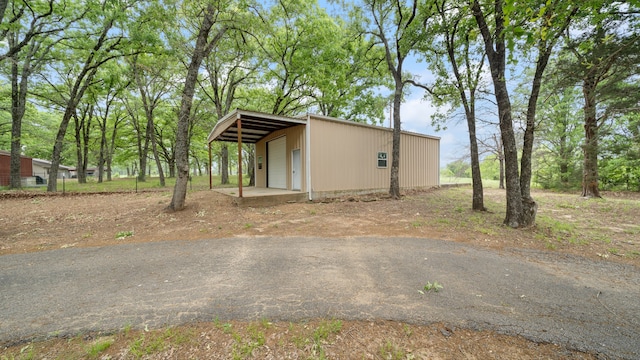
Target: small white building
x,y
41,168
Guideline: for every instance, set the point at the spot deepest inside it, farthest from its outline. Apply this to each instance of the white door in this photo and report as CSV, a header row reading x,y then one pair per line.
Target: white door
x,y
296,174
277,163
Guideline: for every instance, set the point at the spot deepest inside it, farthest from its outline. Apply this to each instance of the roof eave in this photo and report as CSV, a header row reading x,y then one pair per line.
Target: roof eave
x,y
221,131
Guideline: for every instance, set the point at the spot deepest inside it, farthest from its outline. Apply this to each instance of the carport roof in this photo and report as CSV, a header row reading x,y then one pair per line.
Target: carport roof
x,y
255,126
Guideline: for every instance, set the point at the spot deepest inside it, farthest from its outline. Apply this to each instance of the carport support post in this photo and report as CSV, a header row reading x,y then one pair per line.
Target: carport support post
x,y
239,122
209,169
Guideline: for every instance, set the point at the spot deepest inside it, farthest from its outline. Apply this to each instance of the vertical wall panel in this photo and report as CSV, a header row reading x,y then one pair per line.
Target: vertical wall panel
x,y
344,157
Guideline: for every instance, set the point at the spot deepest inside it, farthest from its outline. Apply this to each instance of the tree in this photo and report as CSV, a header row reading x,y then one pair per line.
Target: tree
x,y
34,32
3,7
83,122
546,29
502,23
107,46
210,21
465,58
292,40
165,133
38,13
151,75
559,135
603,58
459,169
231,64
346,73
493,145
620,164
398,27
108,111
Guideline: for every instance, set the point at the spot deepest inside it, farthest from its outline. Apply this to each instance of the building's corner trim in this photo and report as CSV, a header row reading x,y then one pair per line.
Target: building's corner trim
x,y
307,133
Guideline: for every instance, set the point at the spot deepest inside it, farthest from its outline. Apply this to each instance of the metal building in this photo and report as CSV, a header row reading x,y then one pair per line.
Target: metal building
x,y
318,156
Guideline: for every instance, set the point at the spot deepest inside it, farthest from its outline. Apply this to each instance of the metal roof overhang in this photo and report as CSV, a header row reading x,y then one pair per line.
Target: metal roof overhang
x,y
254,126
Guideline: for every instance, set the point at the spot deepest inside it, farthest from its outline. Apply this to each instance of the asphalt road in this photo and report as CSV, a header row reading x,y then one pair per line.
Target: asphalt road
x,y
586,305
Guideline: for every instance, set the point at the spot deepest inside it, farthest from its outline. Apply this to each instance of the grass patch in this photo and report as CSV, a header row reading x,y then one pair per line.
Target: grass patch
x,y
390,351
564,205
417,223
124,234
98,347
326,328
554,228
435,287
262,339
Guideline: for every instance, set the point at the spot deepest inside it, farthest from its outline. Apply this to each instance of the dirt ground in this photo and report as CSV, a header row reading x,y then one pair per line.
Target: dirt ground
x,y
606,230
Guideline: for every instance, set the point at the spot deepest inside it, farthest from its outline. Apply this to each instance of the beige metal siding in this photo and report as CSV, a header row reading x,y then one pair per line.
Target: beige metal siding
x,y
295,140
344,157
419,161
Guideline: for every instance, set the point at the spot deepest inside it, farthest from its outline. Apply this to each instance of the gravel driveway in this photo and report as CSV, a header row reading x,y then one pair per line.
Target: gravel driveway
x,y
586,305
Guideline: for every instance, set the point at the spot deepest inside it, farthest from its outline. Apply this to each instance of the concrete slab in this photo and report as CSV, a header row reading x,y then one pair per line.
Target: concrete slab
x,y
253,196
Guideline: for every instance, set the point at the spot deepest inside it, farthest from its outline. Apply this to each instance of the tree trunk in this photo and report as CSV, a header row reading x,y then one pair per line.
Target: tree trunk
x,y
149,106
143,148
3,7
85,137
224,164
497,63
171,164
507,135
58,146
251,161
18,106
514,196
103,148
394,188
590,170
501,160
80,174
500,156
530,208
564,157
202,48
469,104
156,156
476,176
81,162
111,149
224,167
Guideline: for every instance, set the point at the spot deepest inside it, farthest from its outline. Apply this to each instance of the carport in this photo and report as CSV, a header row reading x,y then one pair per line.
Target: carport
x,y
243,126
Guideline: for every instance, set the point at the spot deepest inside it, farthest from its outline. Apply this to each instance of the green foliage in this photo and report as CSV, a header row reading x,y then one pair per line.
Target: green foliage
x,y
123,234
558,159
326,328
555,229
391,351
620,173
150,343
435,287
459,168
98,347
620,164
291,57
490,168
